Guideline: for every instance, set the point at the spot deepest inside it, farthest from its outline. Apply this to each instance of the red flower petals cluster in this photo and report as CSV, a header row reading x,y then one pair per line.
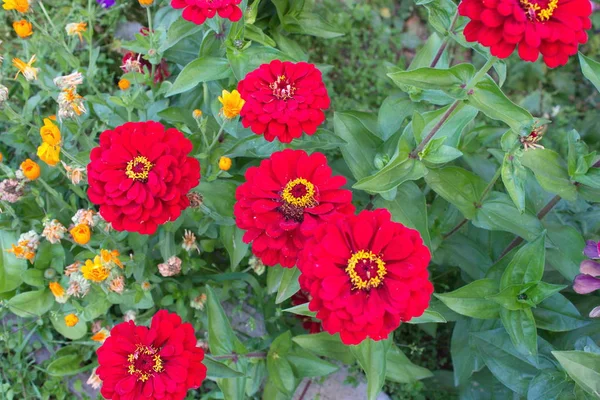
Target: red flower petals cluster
x,y
284,200
160,362
283,99
554,28
140,175
197,11
366,275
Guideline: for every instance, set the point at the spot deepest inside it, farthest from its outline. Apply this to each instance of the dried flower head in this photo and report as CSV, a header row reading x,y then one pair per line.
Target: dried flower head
x,y
257,265
171,267
75,174
53,231
70,104
26,246
11,190
132,64
3,92
94,380
198,302
531,141
67,81
88,217
72,268
189,241
75,28
129,316
117,285
196,199
78,285
27,69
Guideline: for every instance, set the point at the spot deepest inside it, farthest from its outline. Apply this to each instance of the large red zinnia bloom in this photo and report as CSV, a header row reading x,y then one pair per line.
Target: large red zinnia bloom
x,y
160,362
283,100
197,11
366,275
554,28
140,175
284,200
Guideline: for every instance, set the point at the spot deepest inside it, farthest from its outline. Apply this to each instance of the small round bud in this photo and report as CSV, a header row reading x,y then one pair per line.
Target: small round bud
x,y
224,163
238,43
196,199
197,114
49,273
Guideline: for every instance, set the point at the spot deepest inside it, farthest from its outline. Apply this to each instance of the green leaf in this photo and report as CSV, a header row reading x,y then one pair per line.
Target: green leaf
x,y
217,369
50,256
289,284
527,265
470,300
280,370
590,69
274,276
460,187
396,172
325,345
583,368
429,316
557,314
306,365
542,291
66,365
498,212
203,69
550,171
70,332
179,30
465,253
465,357
547,385
452,80
440,13
514,177
235,388
11,268
409,208
221,338
488,98
451,129
401,370
508,297
301,309
31,304
371,357
232,241
34,277
392,113
521,328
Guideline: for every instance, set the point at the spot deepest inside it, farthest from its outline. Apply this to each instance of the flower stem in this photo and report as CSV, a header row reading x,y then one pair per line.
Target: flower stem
x,y
481,73
442,48
235,356
217,136
90,36
48,17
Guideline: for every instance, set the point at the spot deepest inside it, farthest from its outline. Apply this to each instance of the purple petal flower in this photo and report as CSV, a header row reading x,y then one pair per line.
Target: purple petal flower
x,y
590,267
591,249
584,284
595,313
106,3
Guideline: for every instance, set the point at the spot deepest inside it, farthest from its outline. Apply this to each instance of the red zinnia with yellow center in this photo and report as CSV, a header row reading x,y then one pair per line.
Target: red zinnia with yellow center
x,y
283,99
554,28
284,200
365,274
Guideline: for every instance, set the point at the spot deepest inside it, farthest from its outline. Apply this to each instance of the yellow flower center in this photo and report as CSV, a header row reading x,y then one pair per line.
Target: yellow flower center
x,y
282,88
300,193
536,13
144,362
366,270
138,169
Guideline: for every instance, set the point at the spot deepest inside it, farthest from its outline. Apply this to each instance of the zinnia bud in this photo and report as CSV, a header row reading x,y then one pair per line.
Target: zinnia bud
x,y
225,163
23,28
71,320
81,233
30,169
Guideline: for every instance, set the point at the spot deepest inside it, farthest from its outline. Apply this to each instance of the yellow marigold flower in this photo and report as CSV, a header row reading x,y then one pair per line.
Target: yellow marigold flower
x,y
27,69
19,5
59,292
101,335
232,103
50,133
146,3
30,169
224,163
197,114
124,84
95,270
75,28
49,154
23,28
81,233
108,256
71,320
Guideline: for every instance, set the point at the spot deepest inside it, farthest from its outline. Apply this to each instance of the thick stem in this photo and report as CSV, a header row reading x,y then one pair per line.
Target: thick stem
x,y
442,48
305,390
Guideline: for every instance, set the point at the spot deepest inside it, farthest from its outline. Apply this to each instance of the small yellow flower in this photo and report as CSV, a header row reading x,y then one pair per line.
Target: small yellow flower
x,y
197,114
21,6
71,320
224,163
108,256
56,289
146,3
27,69
81,233
49,154
232,103
30,169
23,28
124,84
75,28
146,285
101,335
50,133
95,270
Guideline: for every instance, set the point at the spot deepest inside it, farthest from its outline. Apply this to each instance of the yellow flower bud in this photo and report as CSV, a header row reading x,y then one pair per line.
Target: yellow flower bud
x,y
146,3
124,84
23,28
197,114
224,163
81,233
30,169
71,320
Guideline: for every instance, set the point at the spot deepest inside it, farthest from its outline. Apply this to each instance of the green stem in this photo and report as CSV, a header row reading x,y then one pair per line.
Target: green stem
x,y
6,206
216,138
481,73
71,157
489,187
90,37
48,17
151,35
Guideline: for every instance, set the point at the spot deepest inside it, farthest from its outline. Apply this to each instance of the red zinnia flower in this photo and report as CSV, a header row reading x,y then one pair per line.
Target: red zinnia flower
x,y
284,199
554,28
366,275
308,323
140,175
160,362
283,100
197,11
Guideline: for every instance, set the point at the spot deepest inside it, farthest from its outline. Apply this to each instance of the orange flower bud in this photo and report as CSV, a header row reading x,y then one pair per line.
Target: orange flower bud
x,y
30,169
23,28
71,320
81,233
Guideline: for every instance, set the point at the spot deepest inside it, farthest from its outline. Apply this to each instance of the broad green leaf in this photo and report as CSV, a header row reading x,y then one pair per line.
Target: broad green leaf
x,y
557,314
305,364
232,241
241,62
235,388
289,284
70,332
542,291
451,129
279,368
31,304
425,57
66,365
429,316
583,368
452,80
514,177
401,370
488,98
325,345
202,69
460,187
577,150
470,300
550,171
463,252
392,113
547,385
179,30
409,208
221,338
509,297
11,267
34,277
440,13
371,356
590,69
301,309
398,171
50,256
465,357
527,265
217,369
274,276
521,328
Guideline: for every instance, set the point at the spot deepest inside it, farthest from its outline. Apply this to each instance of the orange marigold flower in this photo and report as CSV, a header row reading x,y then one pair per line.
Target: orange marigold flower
x,y
124,84
23,28
101,335
81,234
146,3
232,103
50,133
30,169
49,154
95,270
75,28
71,320
108,256
27,69
58,291
224,163
21,6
